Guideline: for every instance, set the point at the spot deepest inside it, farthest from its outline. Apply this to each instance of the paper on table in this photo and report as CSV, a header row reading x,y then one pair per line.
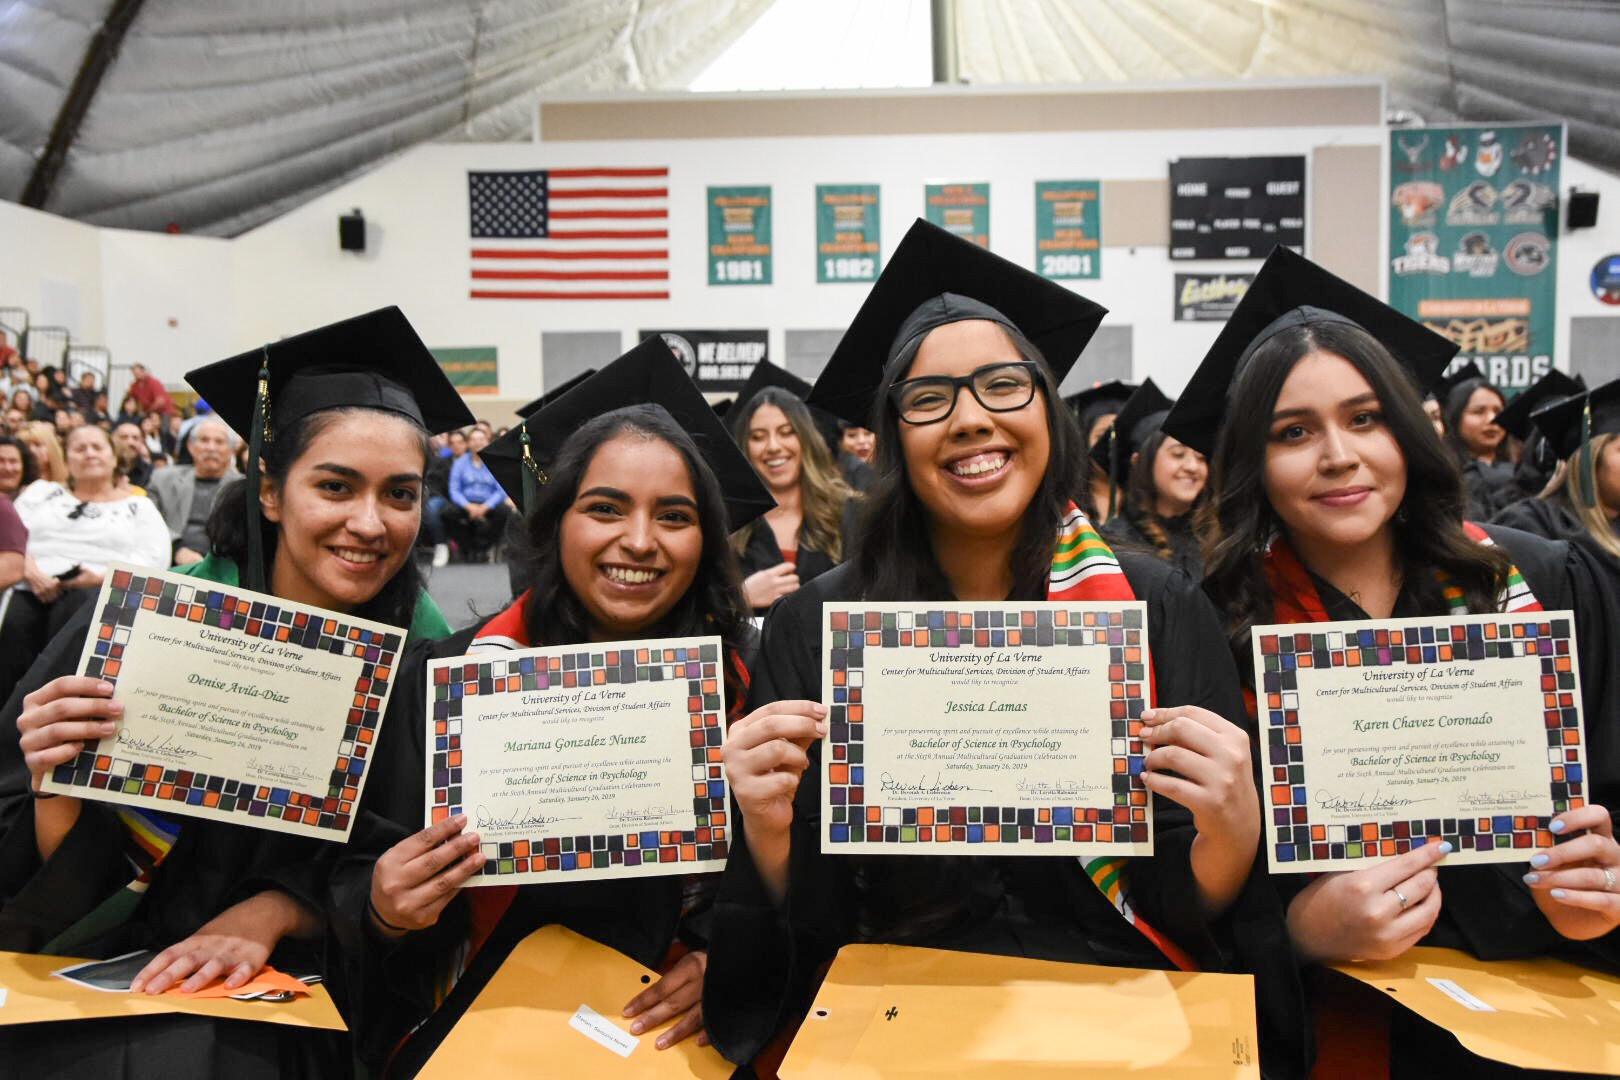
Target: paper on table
x,y
1006,729
1541,1014
583,762
527,1012
35,996
1386,734
238,706
116,974
896,1011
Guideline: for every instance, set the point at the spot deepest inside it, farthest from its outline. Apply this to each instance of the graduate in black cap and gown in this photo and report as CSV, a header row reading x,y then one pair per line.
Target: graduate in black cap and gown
x,y
1482,449
954,360
1095,409
1538,461
802,536
627,483
1161,479
1339,503
1582,504
338,421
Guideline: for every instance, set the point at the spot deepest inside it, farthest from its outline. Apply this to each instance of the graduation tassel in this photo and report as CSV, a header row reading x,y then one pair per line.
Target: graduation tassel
x,y
1113,472
1587,466
533,477
253,574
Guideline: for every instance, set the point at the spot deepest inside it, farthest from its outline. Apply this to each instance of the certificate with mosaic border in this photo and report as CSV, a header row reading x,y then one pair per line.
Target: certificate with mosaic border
x,y
583,762
238,706
987,729
1382,736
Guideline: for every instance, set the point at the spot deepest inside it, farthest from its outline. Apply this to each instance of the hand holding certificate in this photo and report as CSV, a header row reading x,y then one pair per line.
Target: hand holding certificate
x,y
581,762
1383,736
237,705
1005,729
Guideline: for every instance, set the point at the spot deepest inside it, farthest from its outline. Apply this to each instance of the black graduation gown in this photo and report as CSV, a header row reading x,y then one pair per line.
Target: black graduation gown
x,y
763,962
1489,488
387,988
857,473
1122,533
762,552
211,866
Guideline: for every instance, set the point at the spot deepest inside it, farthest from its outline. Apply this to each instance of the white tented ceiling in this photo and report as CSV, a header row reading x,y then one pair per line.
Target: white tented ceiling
x,y
215,115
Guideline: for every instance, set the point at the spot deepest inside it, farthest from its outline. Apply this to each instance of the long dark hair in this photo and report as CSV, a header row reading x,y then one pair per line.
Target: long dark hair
x,y
713,603
894,554
30,471
1428,524
395,604
1455,405
822,491
1142,498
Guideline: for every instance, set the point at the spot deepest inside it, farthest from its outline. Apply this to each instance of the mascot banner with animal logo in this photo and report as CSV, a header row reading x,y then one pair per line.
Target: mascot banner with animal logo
x,y
1473,241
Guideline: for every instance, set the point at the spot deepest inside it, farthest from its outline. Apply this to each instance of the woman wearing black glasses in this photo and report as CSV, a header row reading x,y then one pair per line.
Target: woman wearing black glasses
x,y
955,360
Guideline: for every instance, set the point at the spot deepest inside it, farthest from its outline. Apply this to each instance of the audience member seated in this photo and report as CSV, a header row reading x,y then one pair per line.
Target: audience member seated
x,y
478,508
133,459
17,468
84,395
13,546
46,450
185,493
74,531
149,392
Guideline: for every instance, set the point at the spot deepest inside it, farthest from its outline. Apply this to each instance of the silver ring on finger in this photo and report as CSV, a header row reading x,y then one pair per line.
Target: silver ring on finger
x,y
1608,879
1400,896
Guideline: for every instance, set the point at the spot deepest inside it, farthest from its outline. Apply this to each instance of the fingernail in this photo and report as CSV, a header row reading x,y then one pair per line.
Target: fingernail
x,y
821,727
1531,879
1149,714
1445,847
107,727
116,707
819,709
1538,861
635,1028
104,688
1558,894
1558,825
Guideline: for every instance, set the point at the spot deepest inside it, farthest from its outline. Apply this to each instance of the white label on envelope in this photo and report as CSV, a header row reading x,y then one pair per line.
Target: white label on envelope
x,y
1459,995
599,1029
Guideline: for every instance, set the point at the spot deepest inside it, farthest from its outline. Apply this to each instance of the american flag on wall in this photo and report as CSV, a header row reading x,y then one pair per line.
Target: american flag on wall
x,y
570,234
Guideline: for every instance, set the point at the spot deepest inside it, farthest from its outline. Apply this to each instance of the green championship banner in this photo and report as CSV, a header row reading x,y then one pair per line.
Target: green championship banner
x,y
739,236
963,209
1473,240
846,232
470,370
1068,233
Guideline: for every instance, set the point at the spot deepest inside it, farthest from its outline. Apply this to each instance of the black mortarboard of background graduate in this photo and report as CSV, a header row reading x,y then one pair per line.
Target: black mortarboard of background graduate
x,y
554,393
1573,423
1098,400
1143,414
371,361
935,278
1518,419
723,406
648,374
767,374
1447,384
1290,291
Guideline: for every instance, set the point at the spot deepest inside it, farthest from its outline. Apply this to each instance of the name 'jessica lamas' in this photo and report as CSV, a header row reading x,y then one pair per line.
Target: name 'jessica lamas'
x,y
979,706
243,689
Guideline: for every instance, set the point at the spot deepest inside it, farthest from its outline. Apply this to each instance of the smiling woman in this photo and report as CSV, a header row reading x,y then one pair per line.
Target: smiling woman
x,y
339,501
626,524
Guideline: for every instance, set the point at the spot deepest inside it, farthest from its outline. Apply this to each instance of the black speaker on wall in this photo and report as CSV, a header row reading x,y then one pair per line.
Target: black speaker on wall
x,y
1583,208
352,231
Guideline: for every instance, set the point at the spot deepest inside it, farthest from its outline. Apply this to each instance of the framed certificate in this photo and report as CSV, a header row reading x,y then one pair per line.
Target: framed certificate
x,y
989,729
1380,736
583,762
237,706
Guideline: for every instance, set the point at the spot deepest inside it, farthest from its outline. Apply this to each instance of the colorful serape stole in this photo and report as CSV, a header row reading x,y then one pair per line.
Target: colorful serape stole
x,y
1084,569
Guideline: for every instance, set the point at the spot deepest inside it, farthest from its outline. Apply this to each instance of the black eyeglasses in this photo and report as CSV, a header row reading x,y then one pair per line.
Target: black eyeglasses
x,y
1004,387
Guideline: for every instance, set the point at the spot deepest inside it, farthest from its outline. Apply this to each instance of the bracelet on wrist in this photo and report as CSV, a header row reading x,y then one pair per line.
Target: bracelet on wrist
x,y
371,909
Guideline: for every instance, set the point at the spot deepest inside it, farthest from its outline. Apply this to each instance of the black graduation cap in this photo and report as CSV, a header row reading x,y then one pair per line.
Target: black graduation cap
x,y
1138,419
554,393
1571,425
1290,291
372,361
1099,400
1549,390
1449,382
767,374
723,406
648,374
935,278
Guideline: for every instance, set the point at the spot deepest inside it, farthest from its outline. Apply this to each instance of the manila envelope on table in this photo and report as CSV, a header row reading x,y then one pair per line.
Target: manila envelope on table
x,y
32,995
897,1011
555,1008
1536,1014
